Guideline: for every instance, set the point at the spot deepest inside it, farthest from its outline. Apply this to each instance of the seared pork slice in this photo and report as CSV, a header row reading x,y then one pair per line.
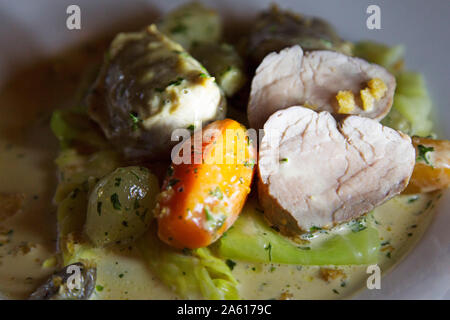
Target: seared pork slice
x,y
314,79
315,172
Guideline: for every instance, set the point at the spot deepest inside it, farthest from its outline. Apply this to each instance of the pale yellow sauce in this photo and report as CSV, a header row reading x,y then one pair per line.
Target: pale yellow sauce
x,y
27,152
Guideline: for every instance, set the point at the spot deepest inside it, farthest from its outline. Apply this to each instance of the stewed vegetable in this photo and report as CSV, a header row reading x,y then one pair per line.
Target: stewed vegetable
x,y
432,169
224,63
191,24
120,206
201,199
276,29
149,86
252,240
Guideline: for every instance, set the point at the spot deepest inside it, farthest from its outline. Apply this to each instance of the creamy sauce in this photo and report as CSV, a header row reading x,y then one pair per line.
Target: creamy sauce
x,y
27,152
400,224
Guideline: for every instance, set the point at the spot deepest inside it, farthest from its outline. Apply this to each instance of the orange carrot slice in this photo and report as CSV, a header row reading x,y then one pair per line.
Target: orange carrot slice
x,y
432,169
202,199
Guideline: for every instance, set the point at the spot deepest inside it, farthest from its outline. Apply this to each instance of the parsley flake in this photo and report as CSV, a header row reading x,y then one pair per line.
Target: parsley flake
x,y
115,201
230,263
423,153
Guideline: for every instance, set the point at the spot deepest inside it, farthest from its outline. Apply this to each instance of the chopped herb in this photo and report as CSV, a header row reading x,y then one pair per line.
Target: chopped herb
x,y
269,249
118,181
176,82
249,164
203,75
304,248
217,193
423,153
99,288
173,182
191,127
357,225
121,275
230,263
115,201
99,208
135,175
335,291
343,284
388,255
272,269
135,120
208,214
412,199
385,243
410,234
284,160
125,223
314,229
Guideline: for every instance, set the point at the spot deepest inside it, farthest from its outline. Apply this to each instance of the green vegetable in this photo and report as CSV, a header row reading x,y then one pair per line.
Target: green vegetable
x,y
192,275
71,213
190,24
72,127
411,109
82,171
276,29
224,63
389,57
251,239
412,101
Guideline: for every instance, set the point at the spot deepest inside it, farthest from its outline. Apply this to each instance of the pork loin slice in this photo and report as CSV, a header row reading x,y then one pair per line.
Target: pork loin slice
x,y
291,77
316,172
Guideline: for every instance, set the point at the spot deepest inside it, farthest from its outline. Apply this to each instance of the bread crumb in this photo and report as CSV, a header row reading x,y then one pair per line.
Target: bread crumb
x,y
328,274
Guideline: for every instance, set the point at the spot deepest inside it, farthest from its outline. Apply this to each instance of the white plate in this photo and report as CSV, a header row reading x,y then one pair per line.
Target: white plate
x,y
33,28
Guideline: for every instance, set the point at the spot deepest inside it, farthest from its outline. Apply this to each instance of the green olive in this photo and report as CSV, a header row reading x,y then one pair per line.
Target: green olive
x,y
120,206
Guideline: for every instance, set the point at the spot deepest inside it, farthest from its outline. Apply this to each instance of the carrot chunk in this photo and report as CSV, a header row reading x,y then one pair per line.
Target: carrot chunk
x,y
202,199
432,169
